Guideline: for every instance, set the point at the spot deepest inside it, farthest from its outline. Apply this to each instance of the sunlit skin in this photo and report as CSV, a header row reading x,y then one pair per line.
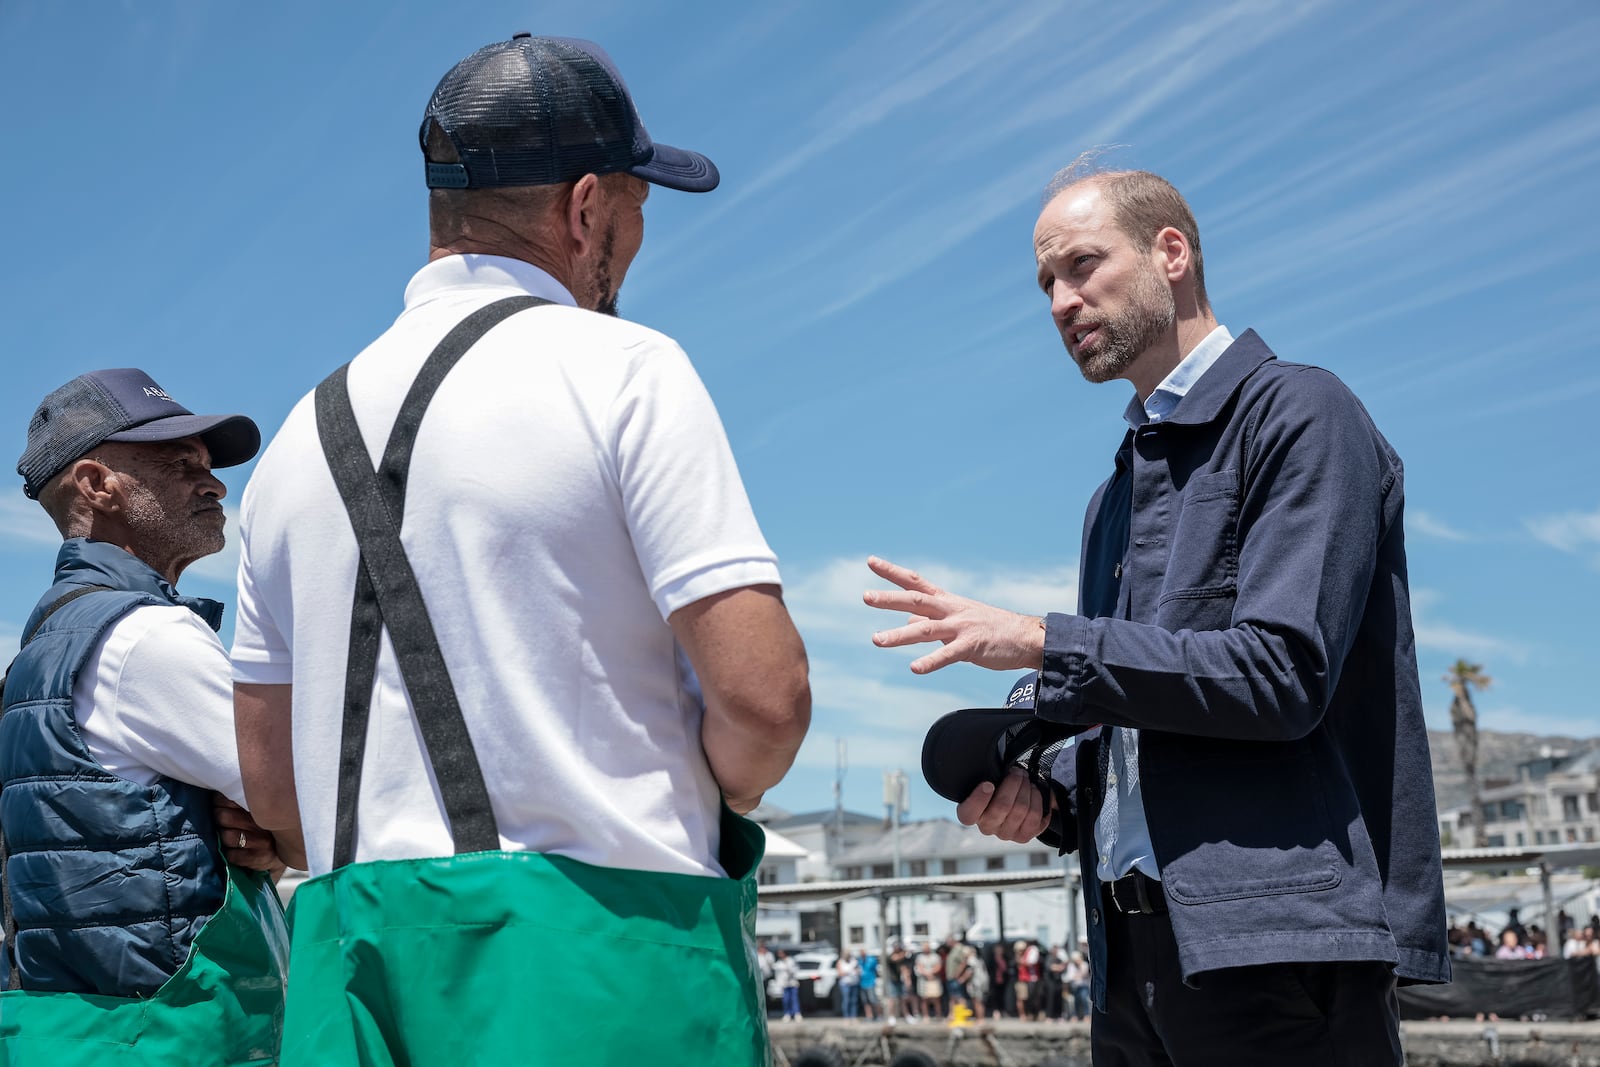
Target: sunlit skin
x,y
622,235
584,233
158,501
1098,279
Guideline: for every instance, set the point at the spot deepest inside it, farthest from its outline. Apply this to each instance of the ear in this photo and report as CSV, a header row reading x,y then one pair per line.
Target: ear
x,y
98,486
1172,248
583,214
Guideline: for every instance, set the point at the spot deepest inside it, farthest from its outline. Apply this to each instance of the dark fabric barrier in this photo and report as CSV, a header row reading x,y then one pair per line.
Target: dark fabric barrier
x,y
1559,989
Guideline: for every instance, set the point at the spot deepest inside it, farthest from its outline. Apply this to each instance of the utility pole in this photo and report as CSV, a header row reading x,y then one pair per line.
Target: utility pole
x,y
839,765
896,799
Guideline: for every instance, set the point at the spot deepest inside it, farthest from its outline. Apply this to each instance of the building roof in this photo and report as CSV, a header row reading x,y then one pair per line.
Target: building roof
x,y
824,817
1556,857
986,882
781,848
766,812
1583,763
928,839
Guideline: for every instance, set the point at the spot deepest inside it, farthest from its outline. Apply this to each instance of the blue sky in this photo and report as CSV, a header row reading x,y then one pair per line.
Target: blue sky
x,y
231,197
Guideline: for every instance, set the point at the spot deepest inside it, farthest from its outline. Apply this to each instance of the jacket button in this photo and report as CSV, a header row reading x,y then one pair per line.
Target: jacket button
x,y
1094,916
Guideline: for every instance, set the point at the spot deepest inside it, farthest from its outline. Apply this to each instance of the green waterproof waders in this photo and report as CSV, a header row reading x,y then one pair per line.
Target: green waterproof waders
x,y
487,957
224,1007
510,958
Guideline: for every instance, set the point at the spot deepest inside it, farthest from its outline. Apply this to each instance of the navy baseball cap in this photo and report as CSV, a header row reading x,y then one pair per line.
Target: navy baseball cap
x,y
966,748
123,404
545,110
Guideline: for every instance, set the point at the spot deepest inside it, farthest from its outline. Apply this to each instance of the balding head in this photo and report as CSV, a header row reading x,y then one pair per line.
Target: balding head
x,y
1142,205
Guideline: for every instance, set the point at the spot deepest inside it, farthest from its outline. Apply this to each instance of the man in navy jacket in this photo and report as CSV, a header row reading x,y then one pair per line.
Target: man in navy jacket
x,y
1257,835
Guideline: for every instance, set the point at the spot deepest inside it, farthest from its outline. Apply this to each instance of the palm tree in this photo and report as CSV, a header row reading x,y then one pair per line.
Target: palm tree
x,y
1462,679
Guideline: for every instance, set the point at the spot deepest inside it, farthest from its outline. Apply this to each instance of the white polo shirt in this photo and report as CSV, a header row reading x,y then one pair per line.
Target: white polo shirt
x,y
571,487
153,700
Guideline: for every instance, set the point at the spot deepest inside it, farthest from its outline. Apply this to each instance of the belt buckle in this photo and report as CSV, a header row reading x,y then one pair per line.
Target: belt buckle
x,y
1116,897
1142,905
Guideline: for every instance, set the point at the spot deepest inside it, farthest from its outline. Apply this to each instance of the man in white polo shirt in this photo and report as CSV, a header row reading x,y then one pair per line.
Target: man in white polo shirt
x,y
619,673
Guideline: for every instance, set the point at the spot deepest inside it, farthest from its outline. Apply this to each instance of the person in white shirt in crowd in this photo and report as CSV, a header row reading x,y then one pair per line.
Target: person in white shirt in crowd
x,y
847,970
1076,981
978,985
787,976
930,980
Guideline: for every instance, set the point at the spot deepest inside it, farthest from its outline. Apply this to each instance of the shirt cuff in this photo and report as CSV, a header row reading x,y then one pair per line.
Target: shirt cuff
x,y
1066,647
252,670
716,578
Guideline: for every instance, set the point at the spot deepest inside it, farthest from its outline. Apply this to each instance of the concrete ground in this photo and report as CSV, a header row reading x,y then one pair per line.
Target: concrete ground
x,y
831,1042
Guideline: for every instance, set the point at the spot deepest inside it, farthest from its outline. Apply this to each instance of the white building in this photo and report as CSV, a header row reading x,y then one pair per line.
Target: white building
x,y
798,850
1554,800
859,848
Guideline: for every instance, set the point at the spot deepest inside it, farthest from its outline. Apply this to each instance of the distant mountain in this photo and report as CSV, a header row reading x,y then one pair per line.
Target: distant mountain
x,y
1498,756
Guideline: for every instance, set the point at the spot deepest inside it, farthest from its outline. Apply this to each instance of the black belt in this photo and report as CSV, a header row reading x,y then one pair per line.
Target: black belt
x,y
1136,893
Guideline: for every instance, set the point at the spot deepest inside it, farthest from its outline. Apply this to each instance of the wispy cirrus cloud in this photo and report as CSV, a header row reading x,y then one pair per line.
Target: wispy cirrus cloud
x,y
1513,718
23,521
886,70
1434,634
1172,64
1574,532
1429,525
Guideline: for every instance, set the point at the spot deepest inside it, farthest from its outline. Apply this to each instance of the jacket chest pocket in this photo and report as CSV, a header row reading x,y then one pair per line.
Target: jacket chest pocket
x,y
1198,589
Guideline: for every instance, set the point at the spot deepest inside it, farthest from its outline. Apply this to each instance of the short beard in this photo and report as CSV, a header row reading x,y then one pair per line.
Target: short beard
x,y
161,538
605,296
1150,312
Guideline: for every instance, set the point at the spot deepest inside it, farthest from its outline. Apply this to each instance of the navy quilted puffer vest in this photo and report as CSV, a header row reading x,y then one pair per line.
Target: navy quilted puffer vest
x,y
107,881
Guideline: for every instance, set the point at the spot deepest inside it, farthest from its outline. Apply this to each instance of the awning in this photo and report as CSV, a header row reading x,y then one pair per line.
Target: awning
x,y
982,882
1553,857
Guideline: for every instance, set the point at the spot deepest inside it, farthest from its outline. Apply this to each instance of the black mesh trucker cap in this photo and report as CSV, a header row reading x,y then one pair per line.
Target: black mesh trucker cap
x,y
123,404
543,110
966,748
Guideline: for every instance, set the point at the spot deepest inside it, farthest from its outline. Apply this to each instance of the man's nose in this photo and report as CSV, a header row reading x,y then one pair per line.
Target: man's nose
x,y
212,486
1064,302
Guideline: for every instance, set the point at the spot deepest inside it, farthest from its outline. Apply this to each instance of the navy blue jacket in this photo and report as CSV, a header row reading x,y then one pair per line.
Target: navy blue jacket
x,y
108,881
1244,604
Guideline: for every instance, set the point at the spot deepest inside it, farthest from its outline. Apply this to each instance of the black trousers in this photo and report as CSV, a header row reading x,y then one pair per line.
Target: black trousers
x,y
1295,1014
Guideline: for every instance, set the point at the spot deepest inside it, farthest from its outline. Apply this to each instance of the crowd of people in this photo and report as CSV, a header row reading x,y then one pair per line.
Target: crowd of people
x,y
1022,980
1527,942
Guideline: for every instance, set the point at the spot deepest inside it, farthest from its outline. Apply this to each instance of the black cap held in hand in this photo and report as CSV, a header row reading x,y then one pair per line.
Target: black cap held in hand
x,y
966,748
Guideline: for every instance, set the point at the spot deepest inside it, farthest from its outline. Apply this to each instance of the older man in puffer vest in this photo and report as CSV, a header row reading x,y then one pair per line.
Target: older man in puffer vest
x,y
126,929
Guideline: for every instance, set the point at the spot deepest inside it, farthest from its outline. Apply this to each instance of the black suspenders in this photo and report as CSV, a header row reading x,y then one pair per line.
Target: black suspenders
x,y
387,595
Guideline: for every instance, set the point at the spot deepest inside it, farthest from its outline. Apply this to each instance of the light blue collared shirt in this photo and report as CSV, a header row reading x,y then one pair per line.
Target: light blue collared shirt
x,y
1121,835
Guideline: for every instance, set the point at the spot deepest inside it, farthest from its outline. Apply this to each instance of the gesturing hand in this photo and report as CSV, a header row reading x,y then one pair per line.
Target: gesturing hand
x,y
971,631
